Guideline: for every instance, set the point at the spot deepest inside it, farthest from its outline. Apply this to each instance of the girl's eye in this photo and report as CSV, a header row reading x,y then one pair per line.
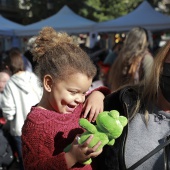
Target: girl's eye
x,y
73,92
84,93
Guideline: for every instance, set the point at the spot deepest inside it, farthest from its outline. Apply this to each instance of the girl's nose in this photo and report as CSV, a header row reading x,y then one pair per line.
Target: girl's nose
x,y
80,99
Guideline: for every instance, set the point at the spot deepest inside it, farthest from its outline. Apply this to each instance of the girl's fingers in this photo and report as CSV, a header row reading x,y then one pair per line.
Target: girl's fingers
x,y
86,111
94,149
87,142
91,115
97,145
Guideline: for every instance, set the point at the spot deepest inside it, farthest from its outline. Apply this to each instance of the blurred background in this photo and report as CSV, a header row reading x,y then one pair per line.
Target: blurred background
x,y
30,11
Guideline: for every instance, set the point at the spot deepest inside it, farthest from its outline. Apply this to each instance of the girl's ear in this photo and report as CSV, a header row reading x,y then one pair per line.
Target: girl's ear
x,y
48,81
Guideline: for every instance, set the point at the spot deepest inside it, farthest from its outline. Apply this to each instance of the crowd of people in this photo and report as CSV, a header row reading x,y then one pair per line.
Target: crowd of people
x,y
41,102
21,91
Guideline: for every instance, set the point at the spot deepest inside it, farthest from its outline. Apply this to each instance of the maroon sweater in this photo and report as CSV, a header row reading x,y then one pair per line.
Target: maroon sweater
x,y
44,136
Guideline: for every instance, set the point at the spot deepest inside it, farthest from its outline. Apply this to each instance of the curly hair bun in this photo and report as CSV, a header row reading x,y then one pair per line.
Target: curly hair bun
x,y
47,39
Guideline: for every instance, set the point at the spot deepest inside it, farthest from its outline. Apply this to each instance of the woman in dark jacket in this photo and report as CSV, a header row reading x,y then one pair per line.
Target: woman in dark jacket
x,y
147,107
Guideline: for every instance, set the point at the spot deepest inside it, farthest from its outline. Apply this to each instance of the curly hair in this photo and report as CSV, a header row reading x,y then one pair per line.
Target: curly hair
x,y
59,55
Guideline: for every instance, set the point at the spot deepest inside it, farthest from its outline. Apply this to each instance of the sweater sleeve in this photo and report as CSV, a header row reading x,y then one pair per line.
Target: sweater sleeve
x,y
37,148
102,89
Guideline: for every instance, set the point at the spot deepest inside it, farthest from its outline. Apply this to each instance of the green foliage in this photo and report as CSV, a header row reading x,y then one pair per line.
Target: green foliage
x,y
106,10
96,10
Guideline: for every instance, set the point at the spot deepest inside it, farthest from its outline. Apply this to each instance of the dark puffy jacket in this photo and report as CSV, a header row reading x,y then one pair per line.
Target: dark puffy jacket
x,y
6,154
112,157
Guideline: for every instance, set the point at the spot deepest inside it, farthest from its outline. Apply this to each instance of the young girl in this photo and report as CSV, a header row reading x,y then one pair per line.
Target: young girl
x,y
66,73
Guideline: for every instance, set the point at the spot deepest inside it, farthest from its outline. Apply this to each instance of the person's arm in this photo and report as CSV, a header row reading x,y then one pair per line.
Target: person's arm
x,y
93,104
8,104
147,64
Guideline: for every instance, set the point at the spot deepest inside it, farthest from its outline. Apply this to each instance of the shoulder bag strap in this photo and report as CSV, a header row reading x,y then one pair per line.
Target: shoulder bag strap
x,y
166,155
150,154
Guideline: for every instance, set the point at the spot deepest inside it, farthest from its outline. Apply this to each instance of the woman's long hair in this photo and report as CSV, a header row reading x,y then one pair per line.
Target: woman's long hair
x,y
132,51
148,90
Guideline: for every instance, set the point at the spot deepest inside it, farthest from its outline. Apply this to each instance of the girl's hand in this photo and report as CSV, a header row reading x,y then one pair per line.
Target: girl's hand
x,y
93,105
81,153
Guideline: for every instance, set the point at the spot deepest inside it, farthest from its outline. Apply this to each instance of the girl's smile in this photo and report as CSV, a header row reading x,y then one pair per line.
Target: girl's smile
x,y
65,95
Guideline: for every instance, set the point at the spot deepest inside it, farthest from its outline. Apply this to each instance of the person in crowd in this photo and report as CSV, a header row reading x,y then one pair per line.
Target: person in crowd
x,y
66,72
28,53
27,63
6,153
4,77
113,53
147,106
109,60
134,62
98,79
20,93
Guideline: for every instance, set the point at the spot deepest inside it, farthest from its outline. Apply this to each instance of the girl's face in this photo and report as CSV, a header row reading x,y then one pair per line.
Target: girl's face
x,y
67,94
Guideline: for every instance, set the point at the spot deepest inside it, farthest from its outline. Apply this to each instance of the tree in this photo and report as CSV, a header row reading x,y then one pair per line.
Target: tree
x,y
102,10
96,10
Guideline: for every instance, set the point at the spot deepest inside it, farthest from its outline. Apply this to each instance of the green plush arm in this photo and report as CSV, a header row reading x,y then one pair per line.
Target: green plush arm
x,y
90,129
123,120
111,142
87,125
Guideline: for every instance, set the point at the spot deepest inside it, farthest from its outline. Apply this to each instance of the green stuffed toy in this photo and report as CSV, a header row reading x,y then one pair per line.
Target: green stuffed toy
x,y
109,126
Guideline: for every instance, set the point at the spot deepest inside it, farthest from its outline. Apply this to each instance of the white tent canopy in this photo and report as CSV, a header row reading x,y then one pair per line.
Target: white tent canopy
x,y
7,27
65,20
144,15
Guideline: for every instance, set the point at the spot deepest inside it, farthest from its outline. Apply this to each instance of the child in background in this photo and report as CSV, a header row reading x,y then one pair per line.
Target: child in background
x,y
4,77
66,73
6,153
